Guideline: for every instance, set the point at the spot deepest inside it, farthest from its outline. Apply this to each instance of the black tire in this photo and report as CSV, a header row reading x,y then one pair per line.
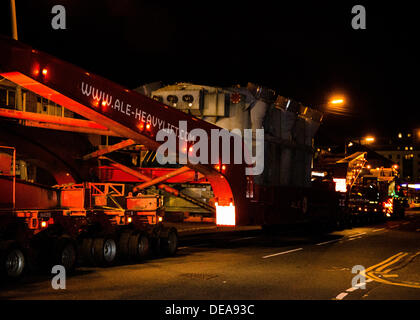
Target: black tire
x,y
138,246
86,251
65,254
170,244
12,261
122,250
104,251
156,246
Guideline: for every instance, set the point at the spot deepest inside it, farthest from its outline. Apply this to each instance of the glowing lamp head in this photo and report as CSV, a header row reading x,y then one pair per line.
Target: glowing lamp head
x,y
44,71
148,126
129,219
43,224
103,103
337,101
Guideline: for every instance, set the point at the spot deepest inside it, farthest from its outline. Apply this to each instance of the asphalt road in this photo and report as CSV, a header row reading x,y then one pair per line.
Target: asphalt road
x,y
251,265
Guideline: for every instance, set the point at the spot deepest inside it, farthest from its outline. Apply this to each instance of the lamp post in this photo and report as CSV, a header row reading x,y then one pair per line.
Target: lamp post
x,y
361,141
15,36
13,19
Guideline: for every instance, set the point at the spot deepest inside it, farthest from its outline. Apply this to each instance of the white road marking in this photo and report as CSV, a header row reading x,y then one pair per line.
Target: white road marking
x,y
341,295
361,284
394,226
326,242
405,222
376,230
280,253
180,248
357,234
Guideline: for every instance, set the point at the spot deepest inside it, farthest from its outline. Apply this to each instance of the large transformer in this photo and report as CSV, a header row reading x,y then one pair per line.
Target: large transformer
x,y
289,129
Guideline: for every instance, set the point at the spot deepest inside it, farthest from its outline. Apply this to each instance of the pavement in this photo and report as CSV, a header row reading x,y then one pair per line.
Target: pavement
x,y
375,262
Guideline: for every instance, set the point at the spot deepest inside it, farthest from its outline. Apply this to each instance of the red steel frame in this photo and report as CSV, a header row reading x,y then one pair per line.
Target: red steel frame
x,y
62,82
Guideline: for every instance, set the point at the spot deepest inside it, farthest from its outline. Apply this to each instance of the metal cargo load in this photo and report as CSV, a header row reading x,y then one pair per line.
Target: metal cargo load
x,y
289,129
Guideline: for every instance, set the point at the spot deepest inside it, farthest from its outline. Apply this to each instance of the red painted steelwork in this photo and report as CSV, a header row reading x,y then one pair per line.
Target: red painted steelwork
x,y
109,149
78,91
70,128
22,115
111,174
162,178
28,195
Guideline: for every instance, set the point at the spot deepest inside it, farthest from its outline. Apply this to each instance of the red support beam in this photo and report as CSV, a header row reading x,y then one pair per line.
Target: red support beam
x,y
139,175
38,118
161,186
161,178
61,127
109,149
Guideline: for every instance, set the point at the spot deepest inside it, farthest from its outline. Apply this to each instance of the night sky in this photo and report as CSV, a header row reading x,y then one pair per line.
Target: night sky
x,y
304,50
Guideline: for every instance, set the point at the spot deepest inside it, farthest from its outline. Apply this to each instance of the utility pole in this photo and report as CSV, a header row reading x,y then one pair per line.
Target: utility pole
x,y
13,19
15,36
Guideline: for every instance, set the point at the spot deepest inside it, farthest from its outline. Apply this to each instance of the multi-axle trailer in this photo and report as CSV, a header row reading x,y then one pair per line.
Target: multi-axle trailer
x,y
89,223
100,221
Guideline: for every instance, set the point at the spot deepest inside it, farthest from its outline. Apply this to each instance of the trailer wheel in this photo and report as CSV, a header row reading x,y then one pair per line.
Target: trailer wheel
x,y
104,251
13,262
65,254
156,246
86,251
138,246
170,244
123,245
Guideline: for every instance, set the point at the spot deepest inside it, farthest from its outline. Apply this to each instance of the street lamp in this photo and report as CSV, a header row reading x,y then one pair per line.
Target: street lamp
x,y
361,141
13,22
337,101
369,139
336,105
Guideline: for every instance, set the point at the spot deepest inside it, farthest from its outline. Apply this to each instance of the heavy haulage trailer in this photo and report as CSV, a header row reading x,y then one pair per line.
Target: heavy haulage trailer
x,y
97,221
78,223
